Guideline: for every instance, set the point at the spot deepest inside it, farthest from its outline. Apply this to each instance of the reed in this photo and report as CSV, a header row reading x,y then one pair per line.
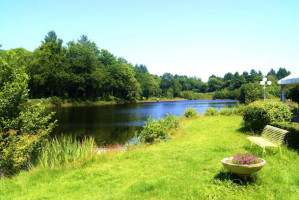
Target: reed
x,y
63,151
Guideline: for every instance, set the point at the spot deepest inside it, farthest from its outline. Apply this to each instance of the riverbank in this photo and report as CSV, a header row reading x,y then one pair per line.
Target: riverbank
x,y
63,103
186,167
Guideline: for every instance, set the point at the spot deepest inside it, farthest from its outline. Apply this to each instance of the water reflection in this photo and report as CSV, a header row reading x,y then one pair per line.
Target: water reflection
x,y
117,123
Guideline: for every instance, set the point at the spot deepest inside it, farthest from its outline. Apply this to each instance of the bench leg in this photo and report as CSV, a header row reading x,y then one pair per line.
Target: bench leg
x,y
280,151
264,150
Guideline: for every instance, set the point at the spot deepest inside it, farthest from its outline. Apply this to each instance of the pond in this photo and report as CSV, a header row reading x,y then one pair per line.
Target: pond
x,y
112,124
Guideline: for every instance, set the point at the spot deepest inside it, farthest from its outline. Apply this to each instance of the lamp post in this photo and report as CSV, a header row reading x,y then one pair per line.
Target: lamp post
x,y
264,82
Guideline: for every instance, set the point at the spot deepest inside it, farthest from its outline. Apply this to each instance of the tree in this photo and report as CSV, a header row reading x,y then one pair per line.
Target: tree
x,y
214,84
282,73
271,72
22,127
48,70
250,92
149,85
84,67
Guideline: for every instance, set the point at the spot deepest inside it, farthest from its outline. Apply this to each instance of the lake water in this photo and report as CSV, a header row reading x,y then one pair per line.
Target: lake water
x,y
111,124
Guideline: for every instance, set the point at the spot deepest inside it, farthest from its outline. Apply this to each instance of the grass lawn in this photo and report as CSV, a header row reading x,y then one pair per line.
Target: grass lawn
x,y
187,167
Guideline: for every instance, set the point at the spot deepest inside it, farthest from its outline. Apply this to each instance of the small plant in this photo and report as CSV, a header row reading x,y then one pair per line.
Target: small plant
x,y
66,150
245,159
226,111
190,113
294,109
239,109
56,101
157,130
210,111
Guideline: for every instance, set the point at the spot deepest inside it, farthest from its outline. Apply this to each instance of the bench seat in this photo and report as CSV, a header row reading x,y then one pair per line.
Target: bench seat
x,y
270,137
261,142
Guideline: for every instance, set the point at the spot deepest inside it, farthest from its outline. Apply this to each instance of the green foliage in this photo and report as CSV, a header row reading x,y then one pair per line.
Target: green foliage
x,y
22,127
259,114
292,137
81,70
239,109
210,111
65,151
250,92
190,113
227,94
157,130
294,94
56,101
226,111
15,151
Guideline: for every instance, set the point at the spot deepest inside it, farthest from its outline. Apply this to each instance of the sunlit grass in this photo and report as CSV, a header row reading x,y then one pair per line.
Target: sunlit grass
x,y
63,151
187,167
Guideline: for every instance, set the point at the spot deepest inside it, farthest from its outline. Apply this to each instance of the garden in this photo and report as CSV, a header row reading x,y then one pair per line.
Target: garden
x,y
184,165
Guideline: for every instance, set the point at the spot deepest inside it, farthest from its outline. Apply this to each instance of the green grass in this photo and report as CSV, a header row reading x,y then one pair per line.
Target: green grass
x,y
187,167
64,151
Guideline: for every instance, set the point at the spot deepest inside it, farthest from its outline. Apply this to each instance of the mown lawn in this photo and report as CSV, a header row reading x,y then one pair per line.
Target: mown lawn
x,y
187,167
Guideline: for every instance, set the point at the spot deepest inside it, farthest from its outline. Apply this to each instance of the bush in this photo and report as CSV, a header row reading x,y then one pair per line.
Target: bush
x,y
239,109
291,138
294,94
157,130
210,111
250,92
56,101
190,113
258,114
226,111
22,127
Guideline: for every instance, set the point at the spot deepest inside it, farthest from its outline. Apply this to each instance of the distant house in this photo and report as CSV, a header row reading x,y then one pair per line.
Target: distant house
x,y
289,81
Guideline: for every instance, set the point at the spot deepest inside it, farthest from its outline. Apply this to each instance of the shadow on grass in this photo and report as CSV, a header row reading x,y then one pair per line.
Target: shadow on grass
x,y
235,178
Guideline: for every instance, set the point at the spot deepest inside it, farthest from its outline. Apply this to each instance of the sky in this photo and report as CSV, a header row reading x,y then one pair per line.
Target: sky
x,y
193,38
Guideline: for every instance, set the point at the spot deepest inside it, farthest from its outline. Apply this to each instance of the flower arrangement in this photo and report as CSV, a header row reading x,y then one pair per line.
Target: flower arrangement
x,y
245,159
294,109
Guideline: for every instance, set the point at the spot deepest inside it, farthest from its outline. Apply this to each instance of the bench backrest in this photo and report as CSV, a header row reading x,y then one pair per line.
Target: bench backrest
x,y
274,134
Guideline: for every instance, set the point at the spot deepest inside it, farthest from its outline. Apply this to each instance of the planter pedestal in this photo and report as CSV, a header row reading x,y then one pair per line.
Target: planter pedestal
x,y
242,170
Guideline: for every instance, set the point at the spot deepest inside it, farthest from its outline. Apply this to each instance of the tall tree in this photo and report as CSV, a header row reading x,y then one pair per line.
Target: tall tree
x,y
282,73
48,68
84,64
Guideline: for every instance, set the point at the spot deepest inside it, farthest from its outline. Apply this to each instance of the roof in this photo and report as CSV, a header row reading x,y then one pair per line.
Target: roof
x,y
291,80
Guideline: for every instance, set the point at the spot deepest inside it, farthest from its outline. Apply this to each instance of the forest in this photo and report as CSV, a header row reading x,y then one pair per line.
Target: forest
x,y
80,70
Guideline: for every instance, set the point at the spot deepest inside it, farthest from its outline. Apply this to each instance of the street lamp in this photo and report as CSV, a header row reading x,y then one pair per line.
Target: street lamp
x,y
264,82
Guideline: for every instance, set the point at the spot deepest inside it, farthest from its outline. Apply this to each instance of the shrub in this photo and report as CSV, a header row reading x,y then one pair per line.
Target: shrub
x,y
239,109
190,113
226,111
258,114
250,92
291,138
22,127
294,94
210,111
56,101
157,130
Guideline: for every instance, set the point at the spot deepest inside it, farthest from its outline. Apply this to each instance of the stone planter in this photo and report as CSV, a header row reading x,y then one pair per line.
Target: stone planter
x,y
242,169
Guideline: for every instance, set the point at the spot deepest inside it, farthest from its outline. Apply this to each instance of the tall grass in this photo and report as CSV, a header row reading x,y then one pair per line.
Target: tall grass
x,y
61,152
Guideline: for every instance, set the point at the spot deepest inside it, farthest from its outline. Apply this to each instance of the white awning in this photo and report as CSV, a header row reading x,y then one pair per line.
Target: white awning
x,y
291,80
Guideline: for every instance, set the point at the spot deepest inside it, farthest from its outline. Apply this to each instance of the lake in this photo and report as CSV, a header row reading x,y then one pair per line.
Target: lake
x,y
111,124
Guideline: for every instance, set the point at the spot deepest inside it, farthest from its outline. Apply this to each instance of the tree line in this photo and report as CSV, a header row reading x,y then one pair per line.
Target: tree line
x,y
82,70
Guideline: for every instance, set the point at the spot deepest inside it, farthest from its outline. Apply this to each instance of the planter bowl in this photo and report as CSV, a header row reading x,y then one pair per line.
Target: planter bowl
x,y
242,169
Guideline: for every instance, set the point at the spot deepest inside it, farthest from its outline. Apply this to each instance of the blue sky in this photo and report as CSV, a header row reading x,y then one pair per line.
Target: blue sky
x,y
194,38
